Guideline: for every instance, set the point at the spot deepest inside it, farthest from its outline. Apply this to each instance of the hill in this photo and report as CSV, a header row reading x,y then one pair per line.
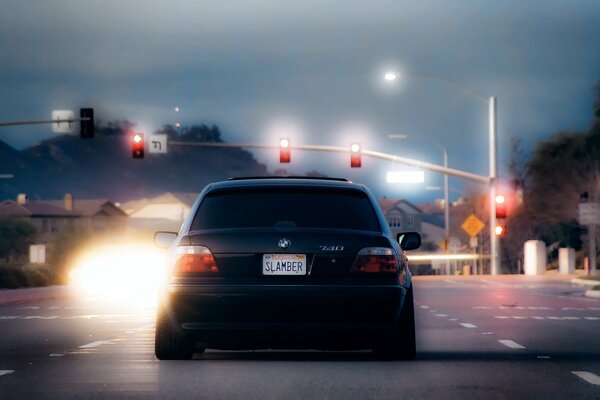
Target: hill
x,y
103,168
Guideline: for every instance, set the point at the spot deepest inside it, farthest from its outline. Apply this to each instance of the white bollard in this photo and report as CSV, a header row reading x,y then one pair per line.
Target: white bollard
x,y
535,257
566,261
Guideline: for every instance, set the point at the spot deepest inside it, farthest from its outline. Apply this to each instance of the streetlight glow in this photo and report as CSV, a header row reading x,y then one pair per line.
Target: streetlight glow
x,y
355,147
284,143
390,76
405,177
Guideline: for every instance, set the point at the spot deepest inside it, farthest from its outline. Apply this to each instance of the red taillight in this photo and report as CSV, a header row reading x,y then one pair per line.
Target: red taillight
x,y
189,259
375,260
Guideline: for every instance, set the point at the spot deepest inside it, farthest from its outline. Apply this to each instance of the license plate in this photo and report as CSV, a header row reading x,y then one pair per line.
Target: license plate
x,y
284,264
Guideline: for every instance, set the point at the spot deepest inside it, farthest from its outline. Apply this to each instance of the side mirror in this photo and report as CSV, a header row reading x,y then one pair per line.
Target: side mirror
x,y
164,240
409,240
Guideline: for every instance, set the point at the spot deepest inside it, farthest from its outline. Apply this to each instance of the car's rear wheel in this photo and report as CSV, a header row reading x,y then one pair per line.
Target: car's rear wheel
x,y
400,343
169,345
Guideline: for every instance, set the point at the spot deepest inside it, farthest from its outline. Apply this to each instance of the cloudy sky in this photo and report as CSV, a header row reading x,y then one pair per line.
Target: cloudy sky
x,y
311,69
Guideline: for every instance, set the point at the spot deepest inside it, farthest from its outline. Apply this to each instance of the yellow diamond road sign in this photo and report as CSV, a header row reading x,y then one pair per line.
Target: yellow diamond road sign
x,y
472,225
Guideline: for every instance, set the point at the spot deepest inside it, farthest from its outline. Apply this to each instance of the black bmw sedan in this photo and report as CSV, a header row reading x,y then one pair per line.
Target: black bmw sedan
x,y
280,263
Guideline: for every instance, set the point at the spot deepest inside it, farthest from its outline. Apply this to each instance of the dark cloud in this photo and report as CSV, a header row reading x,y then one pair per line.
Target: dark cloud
x,y
243,64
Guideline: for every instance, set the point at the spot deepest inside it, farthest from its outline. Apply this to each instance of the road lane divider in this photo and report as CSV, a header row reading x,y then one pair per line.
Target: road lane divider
x,y
94,344
511,344
468,325
6,371
588,377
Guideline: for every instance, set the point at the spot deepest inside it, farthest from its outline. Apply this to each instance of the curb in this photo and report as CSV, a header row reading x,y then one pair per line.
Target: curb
x,y
593,293
27,295
586,282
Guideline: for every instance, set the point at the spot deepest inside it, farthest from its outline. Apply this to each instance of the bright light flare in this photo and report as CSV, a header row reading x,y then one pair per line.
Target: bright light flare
x,y
284,143
355,147
137,138
499,230
500,199
130,274
391,76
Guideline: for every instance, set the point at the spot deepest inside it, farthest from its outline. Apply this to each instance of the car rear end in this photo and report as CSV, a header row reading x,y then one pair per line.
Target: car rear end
x,y
285,264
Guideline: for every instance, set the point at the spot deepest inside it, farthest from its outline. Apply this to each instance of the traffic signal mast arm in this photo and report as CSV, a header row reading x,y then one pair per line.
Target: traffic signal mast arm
x,y
336,149
44,121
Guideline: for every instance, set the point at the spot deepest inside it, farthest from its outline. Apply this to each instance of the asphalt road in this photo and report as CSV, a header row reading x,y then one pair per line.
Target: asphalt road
x,y
478,338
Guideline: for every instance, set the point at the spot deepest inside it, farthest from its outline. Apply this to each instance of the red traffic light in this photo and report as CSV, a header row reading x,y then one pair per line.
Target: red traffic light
x,y
284,150
501,211
137,145
355,155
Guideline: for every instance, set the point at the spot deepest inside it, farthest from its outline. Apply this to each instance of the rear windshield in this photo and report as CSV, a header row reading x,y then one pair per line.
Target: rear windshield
x,y
286,208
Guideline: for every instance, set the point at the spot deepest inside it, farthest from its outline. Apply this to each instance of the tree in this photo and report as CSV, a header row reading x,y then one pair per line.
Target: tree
x,y
15,237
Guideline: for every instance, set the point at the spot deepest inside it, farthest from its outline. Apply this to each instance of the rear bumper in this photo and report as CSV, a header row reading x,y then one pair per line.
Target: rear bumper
x,y
246,316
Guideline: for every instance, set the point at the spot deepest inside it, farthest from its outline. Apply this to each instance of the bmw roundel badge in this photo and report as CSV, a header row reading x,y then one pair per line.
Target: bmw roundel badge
x,y
284,243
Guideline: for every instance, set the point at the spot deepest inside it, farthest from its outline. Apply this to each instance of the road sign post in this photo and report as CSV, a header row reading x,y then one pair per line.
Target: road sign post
x,y
158,144
589,214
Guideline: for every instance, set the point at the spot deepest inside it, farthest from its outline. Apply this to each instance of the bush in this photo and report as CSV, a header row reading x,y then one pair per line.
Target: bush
x,y
17,276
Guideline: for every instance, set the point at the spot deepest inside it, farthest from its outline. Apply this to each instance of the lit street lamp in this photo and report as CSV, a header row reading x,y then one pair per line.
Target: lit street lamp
x,y
493,162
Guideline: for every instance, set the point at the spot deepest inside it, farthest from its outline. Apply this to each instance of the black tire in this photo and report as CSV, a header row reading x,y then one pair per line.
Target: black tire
x,y
169,345
400,344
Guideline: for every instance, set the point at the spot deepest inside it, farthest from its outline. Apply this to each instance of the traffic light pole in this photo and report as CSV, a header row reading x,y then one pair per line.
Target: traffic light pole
x,y
494,239
335,149
42,121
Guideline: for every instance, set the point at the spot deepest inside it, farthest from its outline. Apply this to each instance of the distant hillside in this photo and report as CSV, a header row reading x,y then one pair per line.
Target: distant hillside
x,y
103,168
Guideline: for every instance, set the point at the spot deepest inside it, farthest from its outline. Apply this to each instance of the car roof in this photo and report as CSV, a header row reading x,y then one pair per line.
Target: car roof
x,y
287,181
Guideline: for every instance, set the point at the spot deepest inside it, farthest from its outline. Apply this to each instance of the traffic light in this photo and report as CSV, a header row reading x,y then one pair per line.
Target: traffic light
x,y
500,206
355,155
500,230
137,145
284,150
87,126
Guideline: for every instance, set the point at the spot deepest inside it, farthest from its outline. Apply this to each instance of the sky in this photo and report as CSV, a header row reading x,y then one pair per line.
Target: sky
x,y
311,71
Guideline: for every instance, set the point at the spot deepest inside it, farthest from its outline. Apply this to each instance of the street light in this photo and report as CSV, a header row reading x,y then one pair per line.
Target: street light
x,y
493,159
446,197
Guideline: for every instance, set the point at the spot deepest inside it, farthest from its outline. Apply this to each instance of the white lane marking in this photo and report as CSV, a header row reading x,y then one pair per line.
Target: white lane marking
x,y
535,317
483,308
441,315
424,306
544,357
94,344
593,308
56,355
40,317
592,318
588,377
519,317
28,308
487,333
501,317
453,319
54,308
573,309
6,371
467,325
511,343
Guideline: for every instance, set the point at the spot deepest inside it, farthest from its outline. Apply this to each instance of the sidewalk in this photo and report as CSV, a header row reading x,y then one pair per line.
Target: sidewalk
x,y
26,295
